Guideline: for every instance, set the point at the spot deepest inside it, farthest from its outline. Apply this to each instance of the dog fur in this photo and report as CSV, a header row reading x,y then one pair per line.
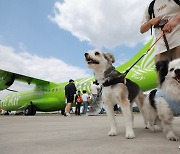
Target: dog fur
x,y
120,93
156,108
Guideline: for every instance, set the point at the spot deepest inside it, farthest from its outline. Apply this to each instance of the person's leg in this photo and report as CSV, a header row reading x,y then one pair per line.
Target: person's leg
x,y
83,107
68,108
94,99
86,105
175,53
68,105
78,108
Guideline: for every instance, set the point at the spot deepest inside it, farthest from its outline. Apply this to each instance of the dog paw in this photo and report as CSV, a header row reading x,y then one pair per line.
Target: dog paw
x,y
130,135
112,133
172,137
152,129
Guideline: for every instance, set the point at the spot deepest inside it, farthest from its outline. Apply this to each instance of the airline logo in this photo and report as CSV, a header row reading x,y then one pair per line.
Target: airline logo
x,y
145,66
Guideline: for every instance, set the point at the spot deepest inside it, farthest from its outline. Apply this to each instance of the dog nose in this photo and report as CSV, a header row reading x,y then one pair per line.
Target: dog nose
x,y
86,54
177,72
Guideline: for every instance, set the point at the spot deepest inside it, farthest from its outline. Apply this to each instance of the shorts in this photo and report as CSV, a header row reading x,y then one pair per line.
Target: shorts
x,y
70,99
175,53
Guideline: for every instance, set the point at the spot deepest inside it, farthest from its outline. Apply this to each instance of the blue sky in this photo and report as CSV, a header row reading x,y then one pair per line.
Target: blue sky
x,y
43,37
27,22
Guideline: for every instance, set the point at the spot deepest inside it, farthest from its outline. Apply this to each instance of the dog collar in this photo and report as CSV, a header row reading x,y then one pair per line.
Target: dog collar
x,y
109,72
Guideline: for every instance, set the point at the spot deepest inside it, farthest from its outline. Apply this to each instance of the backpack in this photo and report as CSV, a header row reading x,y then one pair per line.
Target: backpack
x,y
79,99
151,9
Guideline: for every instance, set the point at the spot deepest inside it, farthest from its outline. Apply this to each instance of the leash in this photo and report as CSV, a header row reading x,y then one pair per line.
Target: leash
x,y
123,75
161,25
127,71
167,47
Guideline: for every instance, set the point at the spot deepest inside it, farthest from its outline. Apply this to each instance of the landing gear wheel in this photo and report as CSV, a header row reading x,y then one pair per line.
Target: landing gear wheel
x,y
7,113
30,110
33,110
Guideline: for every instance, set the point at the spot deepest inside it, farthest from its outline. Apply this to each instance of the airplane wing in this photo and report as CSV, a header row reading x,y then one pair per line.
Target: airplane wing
x,y
7,79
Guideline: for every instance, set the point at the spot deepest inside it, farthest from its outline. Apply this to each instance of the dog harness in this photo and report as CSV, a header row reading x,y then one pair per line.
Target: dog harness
x,y
173,105
120,79
133,89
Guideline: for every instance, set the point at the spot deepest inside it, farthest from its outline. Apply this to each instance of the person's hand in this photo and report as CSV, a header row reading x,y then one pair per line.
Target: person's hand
x,y
169,27
155,21
146,26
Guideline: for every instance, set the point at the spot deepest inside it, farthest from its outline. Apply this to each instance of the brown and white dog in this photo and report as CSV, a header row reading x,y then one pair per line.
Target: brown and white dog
x,y
162,104
115,89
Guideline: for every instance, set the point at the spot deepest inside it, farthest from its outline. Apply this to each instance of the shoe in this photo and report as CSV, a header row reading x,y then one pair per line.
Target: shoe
x,y
68,114
65,114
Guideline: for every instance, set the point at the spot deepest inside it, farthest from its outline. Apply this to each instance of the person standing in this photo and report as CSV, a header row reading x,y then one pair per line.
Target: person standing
x,y
167,11
85,97
94,91
70,90
78,100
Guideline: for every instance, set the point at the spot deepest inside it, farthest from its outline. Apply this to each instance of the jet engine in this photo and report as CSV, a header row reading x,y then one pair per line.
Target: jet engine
x,y
6,80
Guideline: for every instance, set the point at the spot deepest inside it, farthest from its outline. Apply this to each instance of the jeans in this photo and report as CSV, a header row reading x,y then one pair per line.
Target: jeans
x,y
94,99
85,105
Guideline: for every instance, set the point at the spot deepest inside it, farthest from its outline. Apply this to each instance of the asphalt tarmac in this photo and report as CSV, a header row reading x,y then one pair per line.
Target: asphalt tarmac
x,y
55,134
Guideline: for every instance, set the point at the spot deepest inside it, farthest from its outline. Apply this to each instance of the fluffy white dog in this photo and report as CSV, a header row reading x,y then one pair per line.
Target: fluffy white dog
x,y
162,104
115,89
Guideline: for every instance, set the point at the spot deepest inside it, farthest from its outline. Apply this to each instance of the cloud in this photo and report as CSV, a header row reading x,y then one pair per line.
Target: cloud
x,y
50,69
102,23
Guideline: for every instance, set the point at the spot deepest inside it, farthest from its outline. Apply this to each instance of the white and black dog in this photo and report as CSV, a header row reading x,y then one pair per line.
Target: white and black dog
x,y
115,89
162,104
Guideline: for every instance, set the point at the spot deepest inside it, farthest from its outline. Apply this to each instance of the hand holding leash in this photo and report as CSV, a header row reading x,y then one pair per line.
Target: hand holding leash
x,y
165,27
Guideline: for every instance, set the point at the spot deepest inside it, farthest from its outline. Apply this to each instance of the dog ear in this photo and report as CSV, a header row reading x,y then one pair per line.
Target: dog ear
x,y
109,56
162,69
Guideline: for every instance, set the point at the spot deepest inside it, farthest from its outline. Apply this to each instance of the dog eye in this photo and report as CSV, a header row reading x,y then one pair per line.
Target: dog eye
x,y
172,69
97,53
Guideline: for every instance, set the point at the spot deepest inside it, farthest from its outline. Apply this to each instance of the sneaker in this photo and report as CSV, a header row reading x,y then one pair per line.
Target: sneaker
x,y
68,114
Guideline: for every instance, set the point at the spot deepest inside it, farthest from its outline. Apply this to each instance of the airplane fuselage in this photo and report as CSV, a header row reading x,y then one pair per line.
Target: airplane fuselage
x,y
48,99
44,100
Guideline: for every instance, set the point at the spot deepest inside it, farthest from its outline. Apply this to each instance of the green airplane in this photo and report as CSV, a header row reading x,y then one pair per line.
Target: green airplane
x,y
49,96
